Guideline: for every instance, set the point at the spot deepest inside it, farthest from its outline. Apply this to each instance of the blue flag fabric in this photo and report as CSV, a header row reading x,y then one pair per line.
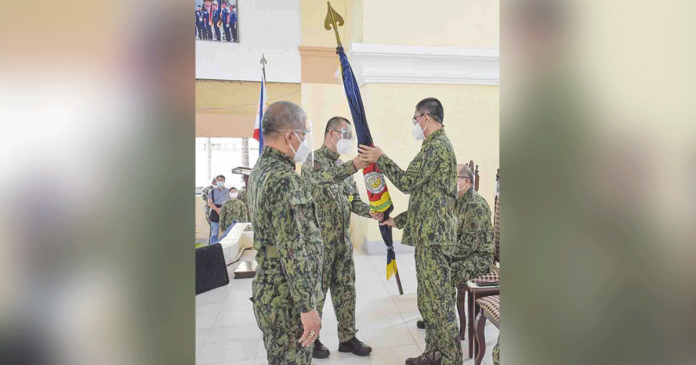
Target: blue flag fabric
x,y
374,179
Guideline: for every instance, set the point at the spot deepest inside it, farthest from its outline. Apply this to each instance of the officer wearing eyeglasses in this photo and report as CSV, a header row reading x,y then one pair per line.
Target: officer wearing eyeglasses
x,y
336,197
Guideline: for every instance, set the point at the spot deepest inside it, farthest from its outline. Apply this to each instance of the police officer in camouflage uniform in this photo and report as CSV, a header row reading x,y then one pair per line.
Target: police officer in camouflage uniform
x,y
233,210
287,239
473,256
475,251
335,197
204,195
430,224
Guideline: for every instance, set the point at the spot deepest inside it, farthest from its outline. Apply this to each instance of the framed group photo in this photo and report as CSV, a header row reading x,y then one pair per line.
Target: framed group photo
x,y
217,21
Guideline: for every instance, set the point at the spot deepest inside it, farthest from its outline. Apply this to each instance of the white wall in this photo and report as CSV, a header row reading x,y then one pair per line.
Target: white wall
x,y
271,27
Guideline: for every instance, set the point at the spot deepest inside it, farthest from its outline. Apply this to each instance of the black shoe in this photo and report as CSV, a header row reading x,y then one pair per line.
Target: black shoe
x,y
420,324
320,351
355,346
432,358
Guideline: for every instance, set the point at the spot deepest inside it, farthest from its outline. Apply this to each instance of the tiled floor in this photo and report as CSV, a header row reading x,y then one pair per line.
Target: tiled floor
x,y
227,334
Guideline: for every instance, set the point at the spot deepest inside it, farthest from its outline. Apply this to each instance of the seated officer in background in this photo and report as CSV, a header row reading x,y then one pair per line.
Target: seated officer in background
x,y
335,197
474,253
234,210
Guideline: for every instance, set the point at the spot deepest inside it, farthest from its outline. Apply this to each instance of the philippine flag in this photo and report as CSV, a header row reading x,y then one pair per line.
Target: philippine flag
x,y
263,104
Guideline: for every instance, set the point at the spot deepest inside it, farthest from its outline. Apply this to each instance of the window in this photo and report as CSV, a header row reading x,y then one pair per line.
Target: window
x,y
218,156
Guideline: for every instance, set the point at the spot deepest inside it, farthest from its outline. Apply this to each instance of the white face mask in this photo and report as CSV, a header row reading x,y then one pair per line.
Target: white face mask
x,y
460,187
234,195
342,146
417,132
302,151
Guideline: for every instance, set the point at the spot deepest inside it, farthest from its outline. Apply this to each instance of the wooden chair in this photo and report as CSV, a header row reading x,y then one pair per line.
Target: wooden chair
x,y
490,310
466,304
475,170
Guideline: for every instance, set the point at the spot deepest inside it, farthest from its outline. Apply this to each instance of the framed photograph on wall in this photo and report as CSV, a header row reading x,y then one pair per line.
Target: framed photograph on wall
x,y
217,21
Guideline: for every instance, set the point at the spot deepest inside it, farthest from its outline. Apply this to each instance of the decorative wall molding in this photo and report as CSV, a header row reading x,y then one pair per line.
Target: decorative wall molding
x,y
394,64
318,64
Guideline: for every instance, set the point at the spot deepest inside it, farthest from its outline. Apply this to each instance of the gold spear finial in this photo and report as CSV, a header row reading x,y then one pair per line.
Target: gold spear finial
x,y
263,64
332,17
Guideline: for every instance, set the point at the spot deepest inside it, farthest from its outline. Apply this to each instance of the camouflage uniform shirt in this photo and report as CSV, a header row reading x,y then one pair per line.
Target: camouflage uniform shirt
x,y
335,195
233,210
204,195
284,221
474,252
431,181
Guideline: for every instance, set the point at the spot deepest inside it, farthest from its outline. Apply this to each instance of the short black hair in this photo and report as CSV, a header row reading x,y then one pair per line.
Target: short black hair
x,y
220,176
432,107
334,123
233,188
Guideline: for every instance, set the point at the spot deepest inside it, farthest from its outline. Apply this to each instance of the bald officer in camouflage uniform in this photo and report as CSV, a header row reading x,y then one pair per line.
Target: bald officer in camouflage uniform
x,y
336,196
474,254
289,248
429,224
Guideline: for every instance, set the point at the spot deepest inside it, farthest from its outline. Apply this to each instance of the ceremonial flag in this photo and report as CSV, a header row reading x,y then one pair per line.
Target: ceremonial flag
x,y
377,191
263,104
374,179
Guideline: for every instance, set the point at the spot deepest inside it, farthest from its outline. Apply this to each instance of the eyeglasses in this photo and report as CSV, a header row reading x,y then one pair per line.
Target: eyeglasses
x,y
345,133
415,119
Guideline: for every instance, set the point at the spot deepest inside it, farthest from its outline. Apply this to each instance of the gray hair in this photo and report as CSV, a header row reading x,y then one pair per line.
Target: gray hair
x,y
465,171
282,115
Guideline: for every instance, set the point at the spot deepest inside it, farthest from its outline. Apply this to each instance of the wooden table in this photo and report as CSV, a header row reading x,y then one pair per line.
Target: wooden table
x,y
475,292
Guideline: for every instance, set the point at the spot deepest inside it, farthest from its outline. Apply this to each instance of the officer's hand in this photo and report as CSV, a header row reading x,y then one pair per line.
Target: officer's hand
x,y
376,215
369,154
311,323
389,222
360,163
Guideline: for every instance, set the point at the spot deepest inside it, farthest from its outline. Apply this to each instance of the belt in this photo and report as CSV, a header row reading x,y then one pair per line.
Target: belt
x,y
272,252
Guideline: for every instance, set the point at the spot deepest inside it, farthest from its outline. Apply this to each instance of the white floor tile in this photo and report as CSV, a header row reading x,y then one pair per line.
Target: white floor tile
x,y
235,318
343,358
214,353
260,351
234,333
389,336
394,355
205,321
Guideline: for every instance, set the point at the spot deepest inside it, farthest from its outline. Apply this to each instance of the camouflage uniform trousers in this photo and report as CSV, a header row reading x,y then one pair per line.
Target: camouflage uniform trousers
x,y
436,302
496,353
339,277
278,318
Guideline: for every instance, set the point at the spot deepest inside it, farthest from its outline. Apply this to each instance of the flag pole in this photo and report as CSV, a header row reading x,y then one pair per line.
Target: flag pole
x,y
263,65
372,172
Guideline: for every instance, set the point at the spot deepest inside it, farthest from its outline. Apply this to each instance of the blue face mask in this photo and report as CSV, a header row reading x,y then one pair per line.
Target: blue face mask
x,y
220,184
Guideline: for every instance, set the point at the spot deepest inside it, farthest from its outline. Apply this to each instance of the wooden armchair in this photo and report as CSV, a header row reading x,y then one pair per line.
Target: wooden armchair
x,y
490,310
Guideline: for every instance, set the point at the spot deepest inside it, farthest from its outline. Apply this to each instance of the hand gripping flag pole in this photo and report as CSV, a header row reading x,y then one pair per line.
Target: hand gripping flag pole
x,y
374,179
